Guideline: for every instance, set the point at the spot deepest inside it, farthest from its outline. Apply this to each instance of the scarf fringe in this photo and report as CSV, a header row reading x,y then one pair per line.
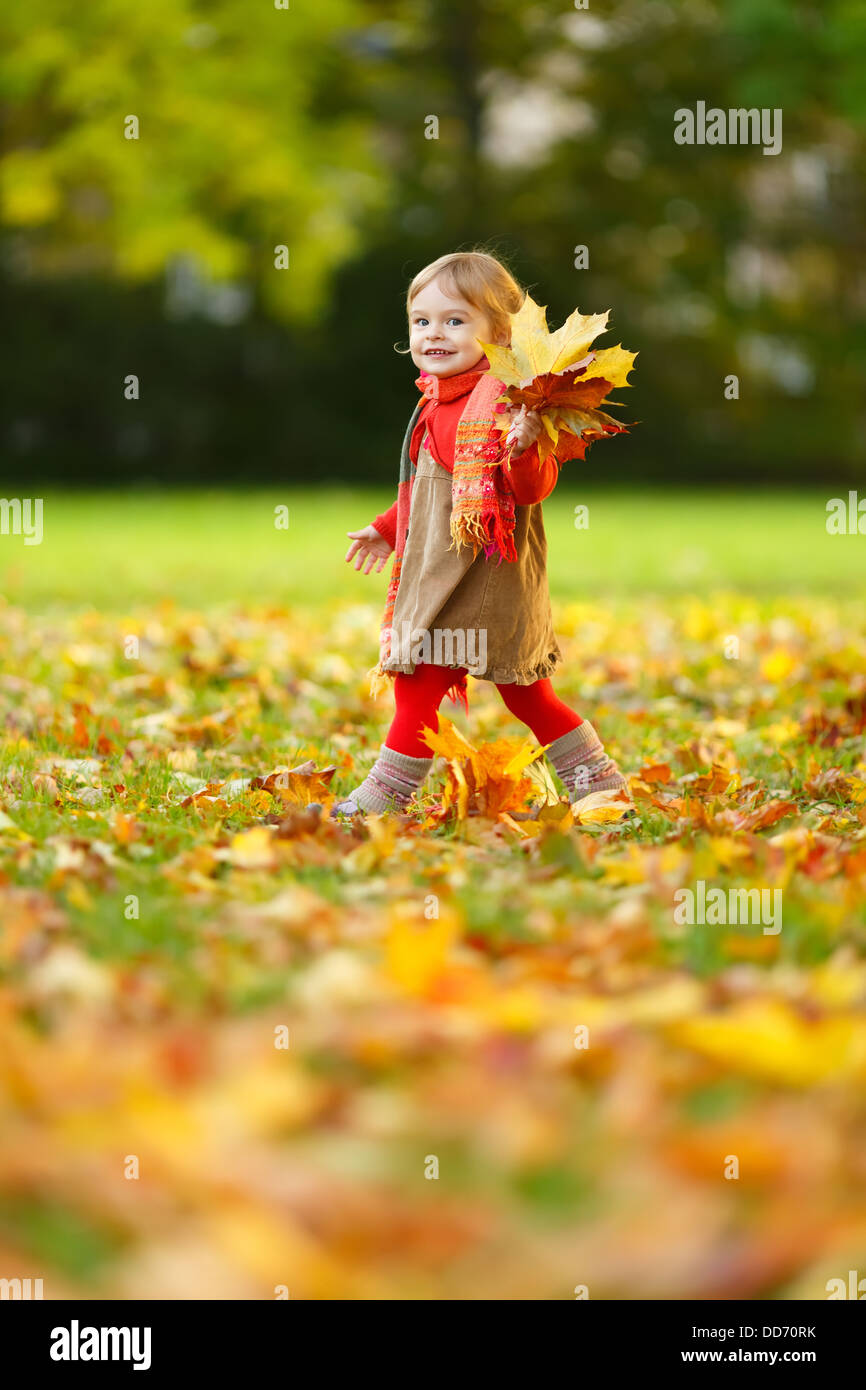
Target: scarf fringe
x,y
483,531
458,693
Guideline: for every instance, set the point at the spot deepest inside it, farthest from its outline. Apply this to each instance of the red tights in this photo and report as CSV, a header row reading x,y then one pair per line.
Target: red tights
x,y
419,696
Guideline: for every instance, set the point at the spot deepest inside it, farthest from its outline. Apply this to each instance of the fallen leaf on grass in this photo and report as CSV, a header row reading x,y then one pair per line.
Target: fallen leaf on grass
x,y
766,1038
252,849
416,950
603,808
487,781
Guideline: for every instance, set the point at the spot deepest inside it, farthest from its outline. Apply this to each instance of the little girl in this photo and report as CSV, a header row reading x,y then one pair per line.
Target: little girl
x,y
469,543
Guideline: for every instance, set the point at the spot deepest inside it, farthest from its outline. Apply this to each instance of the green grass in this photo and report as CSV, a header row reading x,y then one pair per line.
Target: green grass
x,y
114,550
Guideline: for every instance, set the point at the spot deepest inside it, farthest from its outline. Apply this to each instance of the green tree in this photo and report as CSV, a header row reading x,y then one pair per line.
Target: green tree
x,y
240,148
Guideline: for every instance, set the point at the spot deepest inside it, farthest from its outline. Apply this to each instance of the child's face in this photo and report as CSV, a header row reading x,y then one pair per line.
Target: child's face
x,y
443,332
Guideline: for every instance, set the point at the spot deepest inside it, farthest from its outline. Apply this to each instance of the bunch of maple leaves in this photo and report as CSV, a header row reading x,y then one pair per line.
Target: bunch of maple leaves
x,y
561,377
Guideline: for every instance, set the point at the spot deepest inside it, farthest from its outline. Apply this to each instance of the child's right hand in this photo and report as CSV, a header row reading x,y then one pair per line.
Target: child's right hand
x,y
370,547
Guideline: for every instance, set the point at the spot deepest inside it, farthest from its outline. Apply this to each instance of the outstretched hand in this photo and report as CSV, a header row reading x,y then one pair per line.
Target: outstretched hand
x,y
371,549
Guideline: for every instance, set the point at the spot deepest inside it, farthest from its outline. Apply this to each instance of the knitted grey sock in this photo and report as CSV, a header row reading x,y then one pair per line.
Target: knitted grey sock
x,y
388,786
581,762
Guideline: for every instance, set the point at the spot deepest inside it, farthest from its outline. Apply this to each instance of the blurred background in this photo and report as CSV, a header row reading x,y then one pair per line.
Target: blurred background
x,y
306,128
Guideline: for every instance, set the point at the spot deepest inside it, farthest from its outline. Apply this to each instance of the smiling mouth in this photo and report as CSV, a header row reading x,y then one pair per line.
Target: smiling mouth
x,y
439,352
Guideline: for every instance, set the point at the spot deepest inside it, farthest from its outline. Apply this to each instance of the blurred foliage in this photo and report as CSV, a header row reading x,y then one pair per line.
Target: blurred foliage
x,y
518,1001
262,127
239,148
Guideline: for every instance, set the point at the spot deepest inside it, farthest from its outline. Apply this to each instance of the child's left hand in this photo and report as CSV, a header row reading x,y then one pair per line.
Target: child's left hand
x,y
525,428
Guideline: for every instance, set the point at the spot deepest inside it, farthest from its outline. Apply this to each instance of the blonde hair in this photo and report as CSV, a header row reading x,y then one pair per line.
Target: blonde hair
x,y
480,279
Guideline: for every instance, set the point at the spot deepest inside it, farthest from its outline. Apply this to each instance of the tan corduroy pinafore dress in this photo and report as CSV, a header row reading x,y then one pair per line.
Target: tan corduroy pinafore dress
x,y
502,610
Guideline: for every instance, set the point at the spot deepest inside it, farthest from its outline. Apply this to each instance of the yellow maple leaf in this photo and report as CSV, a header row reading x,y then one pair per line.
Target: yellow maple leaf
x,y
614,364
522,758
535,350
447,740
